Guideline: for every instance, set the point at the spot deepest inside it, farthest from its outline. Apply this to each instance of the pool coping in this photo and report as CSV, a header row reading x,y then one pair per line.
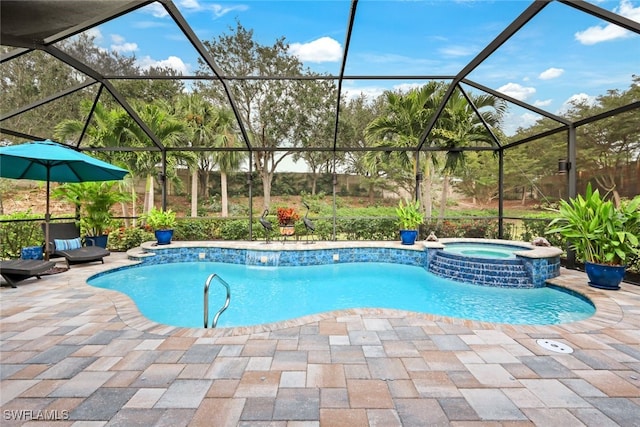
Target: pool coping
x,y
532,251
608,312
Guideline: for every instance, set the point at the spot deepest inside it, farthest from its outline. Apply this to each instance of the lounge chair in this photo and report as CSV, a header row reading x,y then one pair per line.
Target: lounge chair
x,y
65,241
15,270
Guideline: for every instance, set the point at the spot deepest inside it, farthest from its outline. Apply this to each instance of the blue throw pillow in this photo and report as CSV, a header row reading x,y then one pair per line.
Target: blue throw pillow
x,y
64,245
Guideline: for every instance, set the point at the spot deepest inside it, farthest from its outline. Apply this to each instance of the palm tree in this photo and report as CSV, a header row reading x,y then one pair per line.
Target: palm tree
x,y
198,113
460,126
170,130
226,136
403,121
105,131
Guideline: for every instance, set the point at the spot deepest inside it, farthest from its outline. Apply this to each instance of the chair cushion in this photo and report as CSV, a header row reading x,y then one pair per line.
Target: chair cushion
x,y
65,245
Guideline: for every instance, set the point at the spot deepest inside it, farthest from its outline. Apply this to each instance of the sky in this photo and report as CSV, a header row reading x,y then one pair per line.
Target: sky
x,y
561,55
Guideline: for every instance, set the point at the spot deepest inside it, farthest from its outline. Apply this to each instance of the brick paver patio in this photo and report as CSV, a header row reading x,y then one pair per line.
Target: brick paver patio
x,y
74,355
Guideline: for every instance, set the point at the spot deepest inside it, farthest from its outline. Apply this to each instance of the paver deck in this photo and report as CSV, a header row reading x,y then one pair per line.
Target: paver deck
x,y
74,355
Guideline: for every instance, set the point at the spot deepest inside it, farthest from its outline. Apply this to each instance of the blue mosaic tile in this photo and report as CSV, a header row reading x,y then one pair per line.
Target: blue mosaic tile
x,y
520,272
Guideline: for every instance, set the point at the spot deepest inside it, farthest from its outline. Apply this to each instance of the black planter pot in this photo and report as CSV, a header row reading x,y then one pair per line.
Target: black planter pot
x,y
97,240
604,276
164,236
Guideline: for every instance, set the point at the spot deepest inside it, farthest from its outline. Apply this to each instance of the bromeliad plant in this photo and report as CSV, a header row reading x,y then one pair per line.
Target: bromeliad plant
x,y
287,216
598,231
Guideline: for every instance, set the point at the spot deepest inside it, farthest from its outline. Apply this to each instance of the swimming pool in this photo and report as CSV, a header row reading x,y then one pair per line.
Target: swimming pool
x,y
172,293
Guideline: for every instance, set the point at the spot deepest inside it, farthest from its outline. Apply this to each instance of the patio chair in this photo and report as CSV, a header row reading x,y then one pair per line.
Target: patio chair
x,y
65,241
16,270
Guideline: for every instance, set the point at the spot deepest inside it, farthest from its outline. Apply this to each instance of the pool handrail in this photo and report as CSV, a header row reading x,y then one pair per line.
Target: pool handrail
x,y
206,300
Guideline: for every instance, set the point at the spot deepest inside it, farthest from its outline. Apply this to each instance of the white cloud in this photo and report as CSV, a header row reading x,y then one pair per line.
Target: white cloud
x,y
512,122
156,10
96,34
458,51
406,87
543,102
601,33
171,62
190,4
324,49
371,92
577,99
121,46
218,9
551,73
517,91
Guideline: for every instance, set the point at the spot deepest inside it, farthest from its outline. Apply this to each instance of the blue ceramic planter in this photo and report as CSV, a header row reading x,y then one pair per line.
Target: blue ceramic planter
x,y
164,236
408,237
605,276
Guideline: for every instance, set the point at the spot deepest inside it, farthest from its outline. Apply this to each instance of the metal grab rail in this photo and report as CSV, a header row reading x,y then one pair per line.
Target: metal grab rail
x,y
206,300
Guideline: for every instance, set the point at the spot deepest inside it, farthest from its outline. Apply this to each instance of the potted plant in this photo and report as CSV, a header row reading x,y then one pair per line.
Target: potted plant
x,y
409,219
286,220
604,236
162,222
93,201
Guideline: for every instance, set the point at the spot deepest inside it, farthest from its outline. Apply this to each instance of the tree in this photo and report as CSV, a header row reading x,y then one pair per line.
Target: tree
x,y
317,129
36,75
459,126
531,163
404,119
171,132
609,144
106,130
227,160
355,116
198,114
478,177
271,109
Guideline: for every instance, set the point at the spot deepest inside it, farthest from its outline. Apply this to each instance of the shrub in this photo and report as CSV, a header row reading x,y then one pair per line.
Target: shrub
x,y
536,227
475,228
19,234
370,228
125,238
235,229
193,229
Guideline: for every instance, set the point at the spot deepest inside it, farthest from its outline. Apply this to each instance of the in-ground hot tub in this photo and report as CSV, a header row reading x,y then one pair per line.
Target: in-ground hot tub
x,y
490,262
484,250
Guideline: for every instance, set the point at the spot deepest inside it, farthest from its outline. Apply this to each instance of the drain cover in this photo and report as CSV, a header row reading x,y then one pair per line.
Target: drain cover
x,y
556,346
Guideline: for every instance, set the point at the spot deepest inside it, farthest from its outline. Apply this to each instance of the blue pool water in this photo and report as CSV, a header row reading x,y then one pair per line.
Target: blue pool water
x,y
483,250
173,293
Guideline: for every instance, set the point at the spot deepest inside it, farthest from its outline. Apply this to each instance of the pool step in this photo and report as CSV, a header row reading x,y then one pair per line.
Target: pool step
x,y
500,273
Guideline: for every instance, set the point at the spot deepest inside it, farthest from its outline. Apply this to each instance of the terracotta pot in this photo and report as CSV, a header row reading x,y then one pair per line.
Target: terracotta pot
x,y
287,230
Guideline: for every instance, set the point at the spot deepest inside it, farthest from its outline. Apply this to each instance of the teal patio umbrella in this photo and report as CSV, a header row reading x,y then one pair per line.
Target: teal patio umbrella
x,y
49,161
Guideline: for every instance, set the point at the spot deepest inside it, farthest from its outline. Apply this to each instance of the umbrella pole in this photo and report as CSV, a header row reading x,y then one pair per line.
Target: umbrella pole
x,y
47,216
